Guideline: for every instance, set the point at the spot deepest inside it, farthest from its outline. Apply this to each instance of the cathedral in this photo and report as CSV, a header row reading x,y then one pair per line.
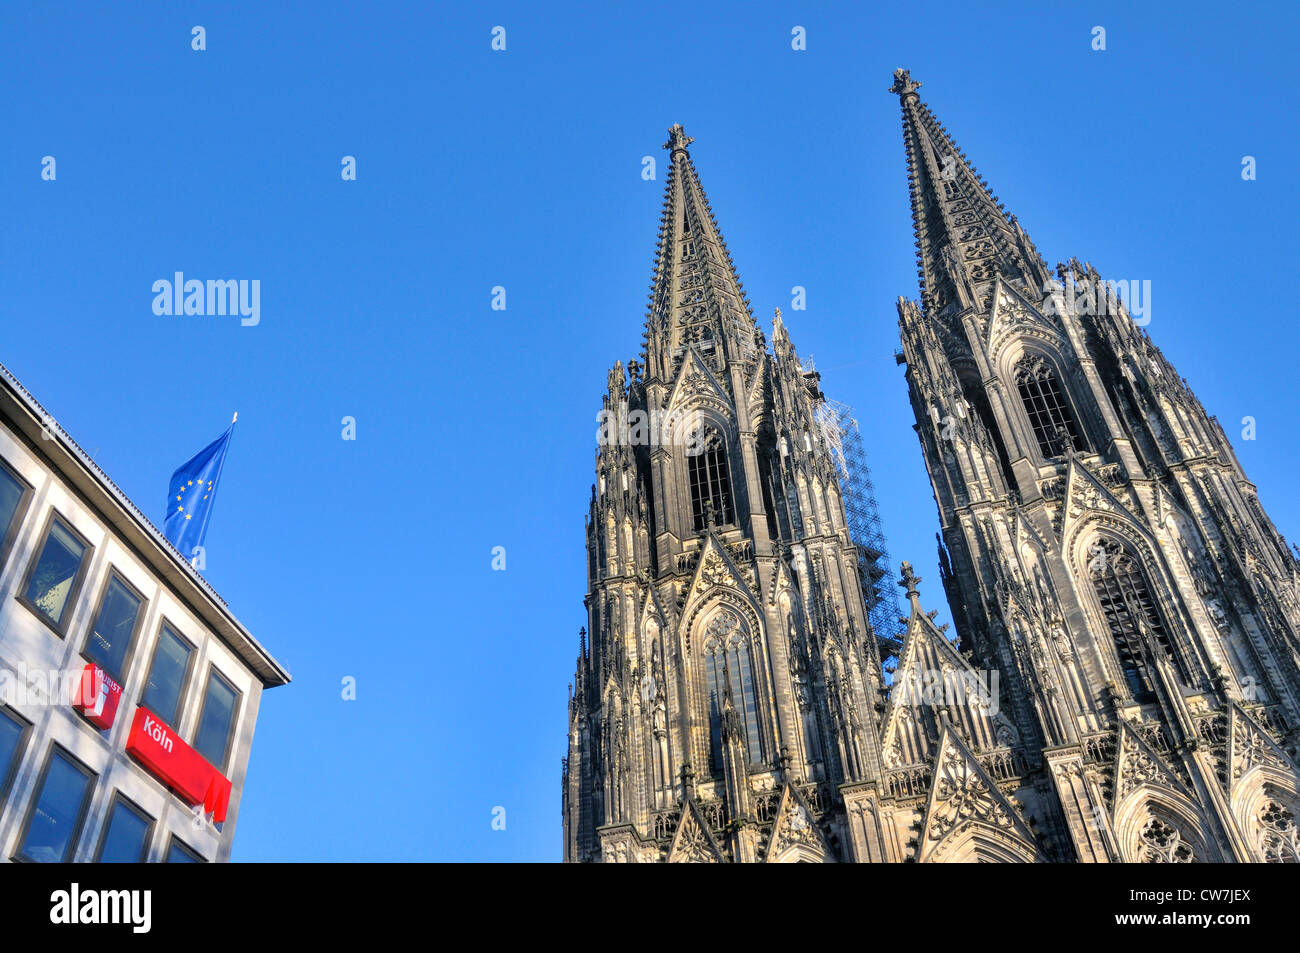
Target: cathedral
x,y
1123,682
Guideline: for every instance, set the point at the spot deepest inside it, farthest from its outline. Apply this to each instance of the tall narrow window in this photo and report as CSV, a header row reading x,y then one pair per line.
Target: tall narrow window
x,y
726,657
1045,404
126,835
13,499
710,480
713,673
1127,605
180,852
742,693
55,576
14,730
114,628
212,740
171,660
55,817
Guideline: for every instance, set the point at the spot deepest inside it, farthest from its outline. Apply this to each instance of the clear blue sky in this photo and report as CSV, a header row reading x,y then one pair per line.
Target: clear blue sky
x,y
475,427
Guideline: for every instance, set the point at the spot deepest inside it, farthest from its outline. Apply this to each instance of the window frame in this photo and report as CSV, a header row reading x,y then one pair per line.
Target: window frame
x,y
9,534
174,842
1027,366
140,613
724,655
121,800
10,771
78,825
1113,597
74,592
236,711
705,473
191,663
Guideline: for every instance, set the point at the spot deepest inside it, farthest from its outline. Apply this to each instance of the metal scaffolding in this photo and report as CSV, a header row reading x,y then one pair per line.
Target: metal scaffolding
x,y
845,440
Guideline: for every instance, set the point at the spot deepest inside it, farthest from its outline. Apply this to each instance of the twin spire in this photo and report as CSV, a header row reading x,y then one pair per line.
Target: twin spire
x,y
964,240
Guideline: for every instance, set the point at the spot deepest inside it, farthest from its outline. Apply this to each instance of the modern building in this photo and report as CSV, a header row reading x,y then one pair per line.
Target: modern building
x,y
128,690
1125,685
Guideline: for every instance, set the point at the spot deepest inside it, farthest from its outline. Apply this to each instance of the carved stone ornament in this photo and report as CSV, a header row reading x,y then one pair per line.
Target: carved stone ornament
x,y
962,795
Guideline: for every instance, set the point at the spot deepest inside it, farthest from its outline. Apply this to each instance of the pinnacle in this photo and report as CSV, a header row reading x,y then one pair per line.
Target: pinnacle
x,y
903,83
910,581
677,139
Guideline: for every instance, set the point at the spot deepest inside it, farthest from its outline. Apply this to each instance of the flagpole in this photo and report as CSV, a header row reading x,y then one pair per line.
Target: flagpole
x,y
203,533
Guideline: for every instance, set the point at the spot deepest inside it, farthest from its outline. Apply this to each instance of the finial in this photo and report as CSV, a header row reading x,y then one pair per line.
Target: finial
x,y
677,139
616,379
776,317
903,83
909,581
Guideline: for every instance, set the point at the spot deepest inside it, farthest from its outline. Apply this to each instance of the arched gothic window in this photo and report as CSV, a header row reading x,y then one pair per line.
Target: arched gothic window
x,y
1046,406
1162,843
727,659
1278,837
709,480
1128,607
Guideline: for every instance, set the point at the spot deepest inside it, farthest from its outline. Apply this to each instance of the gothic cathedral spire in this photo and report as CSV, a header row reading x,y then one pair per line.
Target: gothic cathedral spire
x,y
728,680
1104,553
1126,686
697,297
964,237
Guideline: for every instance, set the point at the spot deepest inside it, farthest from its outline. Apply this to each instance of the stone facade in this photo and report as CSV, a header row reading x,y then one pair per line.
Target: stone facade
x,y
1126,685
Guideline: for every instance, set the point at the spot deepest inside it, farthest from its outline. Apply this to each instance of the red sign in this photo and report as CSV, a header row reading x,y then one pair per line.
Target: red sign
x,y
97,696
178,765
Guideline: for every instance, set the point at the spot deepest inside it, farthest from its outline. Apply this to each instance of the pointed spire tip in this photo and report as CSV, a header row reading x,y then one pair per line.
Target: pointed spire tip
x,y
910,581
903,83
677,139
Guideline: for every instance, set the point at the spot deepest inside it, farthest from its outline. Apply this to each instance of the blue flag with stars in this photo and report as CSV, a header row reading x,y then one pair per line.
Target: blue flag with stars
x,y
191,494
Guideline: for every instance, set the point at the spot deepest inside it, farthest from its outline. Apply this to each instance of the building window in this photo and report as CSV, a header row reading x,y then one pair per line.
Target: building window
x,y
14,730
727,659
55,576
181,853
212,740
709,480
1045,404
126,835
1278,838
1128,608
114,628
58,810
14,494
166,684
1162,843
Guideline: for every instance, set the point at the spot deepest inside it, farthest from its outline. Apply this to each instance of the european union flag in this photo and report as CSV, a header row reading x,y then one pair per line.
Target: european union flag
x,y
192,493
